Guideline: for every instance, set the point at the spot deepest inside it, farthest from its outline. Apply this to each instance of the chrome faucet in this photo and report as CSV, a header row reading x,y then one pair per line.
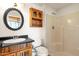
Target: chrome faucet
x,y
14,37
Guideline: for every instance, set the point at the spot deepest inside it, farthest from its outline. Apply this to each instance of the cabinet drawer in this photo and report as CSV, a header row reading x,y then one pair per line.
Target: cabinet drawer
x,y
11,54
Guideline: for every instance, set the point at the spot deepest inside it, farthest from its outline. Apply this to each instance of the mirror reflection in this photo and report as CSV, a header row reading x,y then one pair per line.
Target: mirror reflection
x,y
13,19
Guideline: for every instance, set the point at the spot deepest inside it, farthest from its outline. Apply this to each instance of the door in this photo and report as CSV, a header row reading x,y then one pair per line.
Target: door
x,y
50,32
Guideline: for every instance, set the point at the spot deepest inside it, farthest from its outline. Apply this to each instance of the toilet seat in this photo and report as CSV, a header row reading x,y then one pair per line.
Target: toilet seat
x,y
42,51
39,50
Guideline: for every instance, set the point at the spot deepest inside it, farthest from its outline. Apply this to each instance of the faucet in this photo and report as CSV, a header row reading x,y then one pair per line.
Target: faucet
x,y
14,37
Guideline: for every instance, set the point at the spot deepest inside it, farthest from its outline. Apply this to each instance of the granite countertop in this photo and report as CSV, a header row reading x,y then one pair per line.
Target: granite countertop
x,y
2,45
28,40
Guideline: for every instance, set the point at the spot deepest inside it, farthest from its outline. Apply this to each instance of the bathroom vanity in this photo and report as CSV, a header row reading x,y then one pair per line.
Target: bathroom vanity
x,y
17,48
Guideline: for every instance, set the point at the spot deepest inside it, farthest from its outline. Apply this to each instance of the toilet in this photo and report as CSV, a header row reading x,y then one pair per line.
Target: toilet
x,y
38,49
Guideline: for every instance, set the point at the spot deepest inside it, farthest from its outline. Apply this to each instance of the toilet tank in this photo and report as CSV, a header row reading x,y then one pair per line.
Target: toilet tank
x,y
37,42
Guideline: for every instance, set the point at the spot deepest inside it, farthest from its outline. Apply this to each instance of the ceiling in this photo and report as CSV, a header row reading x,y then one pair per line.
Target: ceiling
x,y
57,6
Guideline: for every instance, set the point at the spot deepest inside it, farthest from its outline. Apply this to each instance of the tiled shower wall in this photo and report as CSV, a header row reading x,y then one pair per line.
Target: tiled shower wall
x,y
69,25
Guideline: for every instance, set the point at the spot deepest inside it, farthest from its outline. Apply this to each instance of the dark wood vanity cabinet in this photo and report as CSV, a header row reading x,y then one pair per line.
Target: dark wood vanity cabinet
x,y
17,50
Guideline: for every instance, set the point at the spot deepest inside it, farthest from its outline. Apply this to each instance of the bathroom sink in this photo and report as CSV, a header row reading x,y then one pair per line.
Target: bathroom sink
x,y
14,40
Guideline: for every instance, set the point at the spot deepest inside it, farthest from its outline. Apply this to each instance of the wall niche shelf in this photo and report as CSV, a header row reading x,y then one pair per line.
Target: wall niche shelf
x,y
36,17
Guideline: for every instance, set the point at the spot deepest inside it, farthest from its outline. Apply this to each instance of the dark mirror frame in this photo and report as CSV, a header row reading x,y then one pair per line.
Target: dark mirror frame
x,y
5,18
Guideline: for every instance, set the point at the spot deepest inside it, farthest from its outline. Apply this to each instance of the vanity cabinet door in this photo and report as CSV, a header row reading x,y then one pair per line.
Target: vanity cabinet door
x,y
30,52
20,53
17,50
24,53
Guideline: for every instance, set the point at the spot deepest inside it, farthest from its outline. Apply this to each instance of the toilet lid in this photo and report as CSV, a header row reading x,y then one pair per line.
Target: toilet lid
x,y
42,51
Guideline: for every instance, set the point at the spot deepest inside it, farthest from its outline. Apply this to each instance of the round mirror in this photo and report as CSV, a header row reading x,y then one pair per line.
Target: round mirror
x,y
13,19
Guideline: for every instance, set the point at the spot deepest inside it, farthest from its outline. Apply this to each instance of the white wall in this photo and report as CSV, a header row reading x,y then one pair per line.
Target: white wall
x,y
37,33
34,33
4,31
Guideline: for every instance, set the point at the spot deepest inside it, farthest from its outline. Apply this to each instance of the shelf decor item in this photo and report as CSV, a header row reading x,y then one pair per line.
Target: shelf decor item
x,y
36,18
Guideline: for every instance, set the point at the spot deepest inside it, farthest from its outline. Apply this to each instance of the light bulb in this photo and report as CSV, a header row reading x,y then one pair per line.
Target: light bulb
x,y
69,20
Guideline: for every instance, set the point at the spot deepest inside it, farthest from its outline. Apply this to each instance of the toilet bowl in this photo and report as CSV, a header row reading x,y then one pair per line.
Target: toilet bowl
x,y
38,49
42,51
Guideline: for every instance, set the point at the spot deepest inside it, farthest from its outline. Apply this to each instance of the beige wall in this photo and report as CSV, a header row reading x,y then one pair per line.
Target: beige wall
x,y
54,36
69,18
71,32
